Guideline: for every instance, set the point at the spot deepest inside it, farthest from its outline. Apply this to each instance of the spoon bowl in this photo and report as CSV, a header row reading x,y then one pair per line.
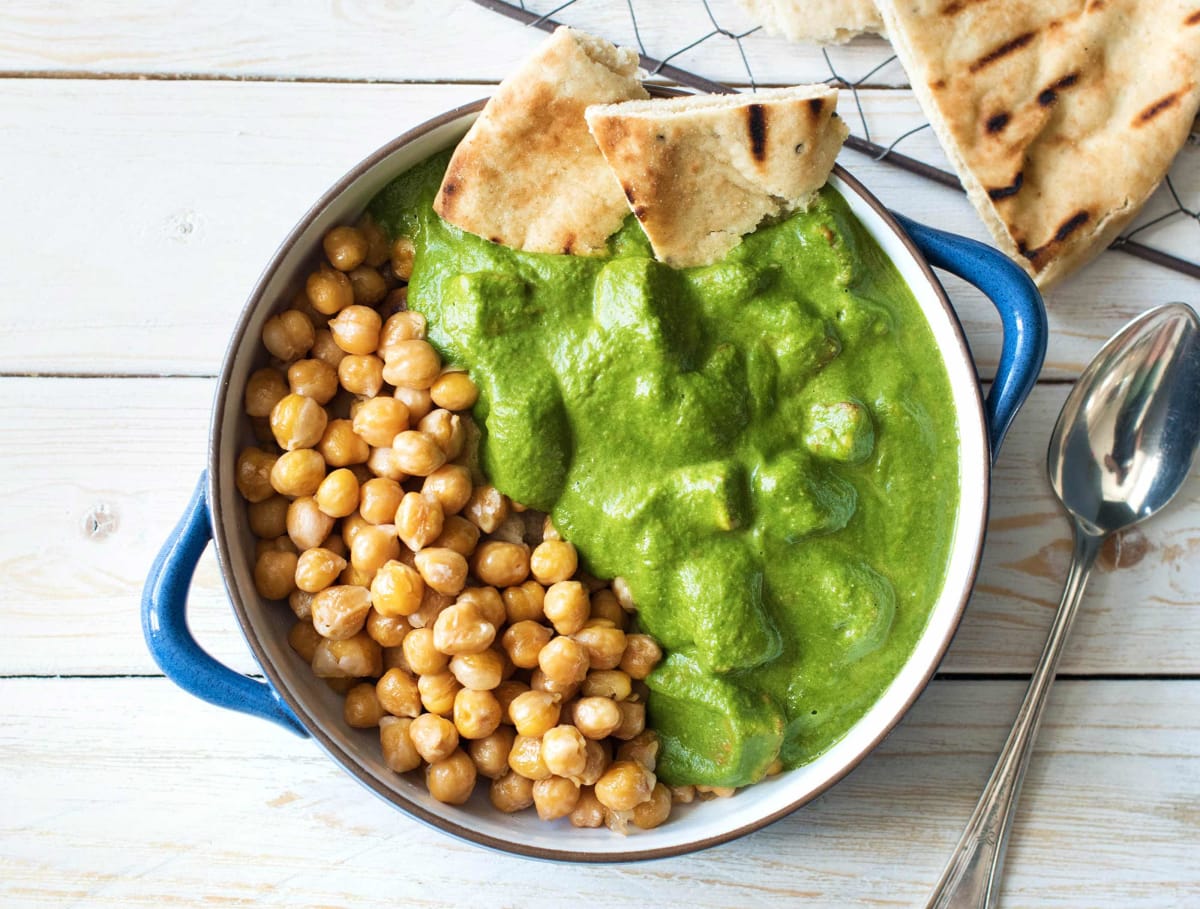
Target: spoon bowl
x,y
1124,442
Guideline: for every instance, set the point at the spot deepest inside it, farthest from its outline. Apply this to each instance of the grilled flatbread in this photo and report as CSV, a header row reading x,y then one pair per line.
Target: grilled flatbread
x,y
528,174
822,21
701,172
1060,116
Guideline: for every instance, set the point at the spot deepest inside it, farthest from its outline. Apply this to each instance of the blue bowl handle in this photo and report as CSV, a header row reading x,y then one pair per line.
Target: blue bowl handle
x,y
1022,314
164,623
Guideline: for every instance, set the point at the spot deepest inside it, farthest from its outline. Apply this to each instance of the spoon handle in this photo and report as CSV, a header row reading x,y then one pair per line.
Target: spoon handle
x,y
971,879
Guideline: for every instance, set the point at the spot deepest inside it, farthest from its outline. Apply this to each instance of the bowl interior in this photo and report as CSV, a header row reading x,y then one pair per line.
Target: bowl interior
x,y
701,824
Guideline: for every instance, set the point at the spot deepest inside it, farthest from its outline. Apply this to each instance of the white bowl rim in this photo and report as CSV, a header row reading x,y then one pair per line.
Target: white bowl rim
x,y
916,673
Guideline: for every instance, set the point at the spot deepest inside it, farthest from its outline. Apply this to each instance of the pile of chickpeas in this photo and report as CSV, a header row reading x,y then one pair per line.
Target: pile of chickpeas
x,y
454,620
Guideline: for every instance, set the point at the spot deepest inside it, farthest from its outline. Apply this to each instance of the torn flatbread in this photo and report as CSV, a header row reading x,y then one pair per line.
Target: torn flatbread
x,y
821,21
528,174
1060,116
701,172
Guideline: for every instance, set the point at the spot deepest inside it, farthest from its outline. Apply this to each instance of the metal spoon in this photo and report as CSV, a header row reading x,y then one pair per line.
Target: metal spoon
x,y
1121,450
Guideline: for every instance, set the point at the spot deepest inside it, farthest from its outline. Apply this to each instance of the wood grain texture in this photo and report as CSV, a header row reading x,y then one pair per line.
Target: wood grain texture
x,y
95,473
126,792
398,41
153,206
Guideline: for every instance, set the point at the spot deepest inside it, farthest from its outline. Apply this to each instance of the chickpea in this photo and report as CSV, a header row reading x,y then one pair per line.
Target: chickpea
x,y
288,335
553,561
419,520
361,709
567,606
633,719
642,748
369,287
303,639
458,534
345,247
314,379
412,364
398,751
524,641
388,631
683,795
450,484
438,692
620,589
434,737
511,793
326,350
356,577
599,756
393,657
317,569
404,253
656,809
596,717
398,693
446,429
642,654
534,712
704,793
605,606
378,246
549,531
253,474
361,374
356,329
478,671
340,612
381,463
373,547
501,564
564,749
444,570
379,420
624,786
525,602
422,654
454,391
268,518
264,389
564,661
352,527
604,644
507,692
588,812
307,525
328,291
400,326
555,797
476,713
416,453
539,681
354,658
298,422
298,473
608,683
487,508
417,401
341,447
525,758
378,500
275,574
338,494
397,590
433,604
490,752
451,780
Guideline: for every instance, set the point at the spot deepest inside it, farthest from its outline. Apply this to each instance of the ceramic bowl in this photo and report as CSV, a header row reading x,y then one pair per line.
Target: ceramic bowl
x,y
295,698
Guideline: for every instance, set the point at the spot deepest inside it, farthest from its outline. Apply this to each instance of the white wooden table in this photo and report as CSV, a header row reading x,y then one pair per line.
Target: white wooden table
x,y
151,156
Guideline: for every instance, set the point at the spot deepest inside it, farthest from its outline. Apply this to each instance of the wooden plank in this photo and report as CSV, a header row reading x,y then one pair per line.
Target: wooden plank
x,y
167,801
428,40
128,451
185,189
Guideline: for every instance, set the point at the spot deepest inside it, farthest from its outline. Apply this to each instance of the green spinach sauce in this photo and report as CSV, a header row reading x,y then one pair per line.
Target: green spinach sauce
x,y
764,448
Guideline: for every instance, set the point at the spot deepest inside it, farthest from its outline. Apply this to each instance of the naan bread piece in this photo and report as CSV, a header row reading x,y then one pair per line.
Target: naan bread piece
x,y
1060,116
701,172
822,21
528,174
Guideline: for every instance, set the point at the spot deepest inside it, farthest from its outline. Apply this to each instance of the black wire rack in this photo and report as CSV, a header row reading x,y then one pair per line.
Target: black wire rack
x,y
719,36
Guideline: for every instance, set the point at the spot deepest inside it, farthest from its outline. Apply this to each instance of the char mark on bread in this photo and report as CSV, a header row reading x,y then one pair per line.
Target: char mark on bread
x,y
997,122
1003,192
1193,19
1065,230
1157,108
756,122
1002,51
1049,94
